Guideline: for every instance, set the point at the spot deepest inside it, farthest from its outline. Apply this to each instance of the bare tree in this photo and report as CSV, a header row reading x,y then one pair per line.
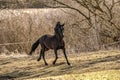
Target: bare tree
x,y
99,15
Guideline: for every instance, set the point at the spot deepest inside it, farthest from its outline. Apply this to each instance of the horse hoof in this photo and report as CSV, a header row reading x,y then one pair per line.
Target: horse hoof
x,y
38,59
69,64
30,54
46,64
53,63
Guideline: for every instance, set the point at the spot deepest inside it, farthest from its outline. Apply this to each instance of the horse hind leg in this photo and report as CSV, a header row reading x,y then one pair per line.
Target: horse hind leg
x,y
43,54
40,55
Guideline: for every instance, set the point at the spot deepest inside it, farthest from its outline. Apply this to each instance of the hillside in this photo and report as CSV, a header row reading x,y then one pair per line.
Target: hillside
x,y
92,65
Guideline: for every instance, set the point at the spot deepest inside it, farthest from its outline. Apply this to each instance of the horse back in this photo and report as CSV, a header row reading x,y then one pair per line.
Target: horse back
x,y
50,42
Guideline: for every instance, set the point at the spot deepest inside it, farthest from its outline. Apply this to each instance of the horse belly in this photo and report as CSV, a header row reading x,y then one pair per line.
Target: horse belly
x,y
49,44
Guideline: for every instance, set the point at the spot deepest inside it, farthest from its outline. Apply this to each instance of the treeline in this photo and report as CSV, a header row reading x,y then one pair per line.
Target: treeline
x,y
18,4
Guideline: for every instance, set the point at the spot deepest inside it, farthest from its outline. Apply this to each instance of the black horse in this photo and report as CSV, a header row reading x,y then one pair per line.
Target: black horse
x,y
54,42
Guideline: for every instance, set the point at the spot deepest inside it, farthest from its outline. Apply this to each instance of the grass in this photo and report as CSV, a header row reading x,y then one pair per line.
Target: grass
x,y
99,75
100,65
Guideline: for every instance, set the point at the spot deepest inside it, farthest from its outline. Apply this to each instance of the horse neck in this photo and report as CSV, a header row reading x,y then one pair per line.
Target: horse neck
x,y
59,38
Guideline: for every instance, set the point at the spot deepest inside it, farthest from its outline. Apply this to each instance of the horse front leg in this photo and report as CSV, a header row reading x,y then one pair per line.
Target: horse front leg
x,y
43,52
64,51
56,56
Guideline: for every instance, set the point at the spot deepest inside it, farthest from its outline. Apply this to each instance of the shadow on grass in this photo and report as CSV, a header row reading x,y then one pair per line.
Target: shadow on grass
x,y
6,78
13,75
87,64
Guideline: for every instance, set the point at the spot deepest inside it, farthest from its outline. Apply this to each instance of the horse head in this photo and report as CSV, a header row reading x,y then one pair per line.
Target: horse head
x,y
59,29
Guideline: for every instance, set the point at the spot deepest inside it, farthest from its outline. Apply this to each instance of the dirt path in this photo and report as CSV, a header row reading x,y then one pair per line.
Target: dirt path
x,y
27,67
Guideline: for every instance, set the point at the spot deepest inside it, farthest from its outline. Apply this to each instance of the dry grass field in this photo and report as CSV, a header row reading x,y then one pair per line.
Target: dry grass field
x,y
90,25
99,65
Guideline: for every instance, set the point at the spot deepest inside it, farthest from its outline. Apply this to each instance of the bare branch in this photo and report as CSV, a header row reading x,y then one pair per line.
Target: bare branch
x,y
67,6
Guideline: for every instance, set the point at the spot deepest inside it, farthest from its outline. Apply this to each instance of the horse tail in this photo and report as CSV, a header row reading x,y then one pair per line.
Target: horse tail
x,y
34,46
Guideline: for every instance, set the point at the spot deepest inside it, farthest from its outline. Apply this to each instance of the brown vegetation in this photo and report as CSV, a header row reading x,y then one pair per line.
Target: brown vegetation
x,y
89,24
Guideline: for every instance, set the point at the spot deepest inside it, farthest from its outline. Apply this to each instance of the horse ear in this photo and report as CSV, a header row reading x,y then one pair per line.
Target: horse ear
x,y
58,22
